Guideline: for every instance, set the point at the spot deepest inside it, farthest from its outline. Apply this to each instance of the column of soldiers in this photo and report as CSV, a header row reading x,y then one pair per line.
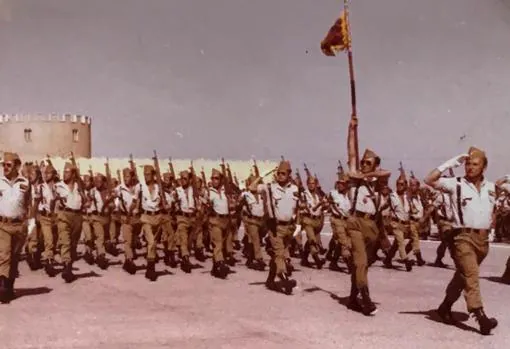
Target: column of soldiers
x,y
190,215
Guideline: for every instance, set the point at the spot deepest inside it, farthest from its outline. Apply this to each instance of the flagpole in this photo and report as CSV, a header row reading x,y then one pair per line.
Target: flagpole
x,y
354,115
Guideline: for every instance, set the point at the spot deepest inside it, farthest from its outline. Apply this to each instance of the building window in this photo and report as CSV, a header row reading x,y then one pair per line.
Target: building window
x,y
28,135
75,135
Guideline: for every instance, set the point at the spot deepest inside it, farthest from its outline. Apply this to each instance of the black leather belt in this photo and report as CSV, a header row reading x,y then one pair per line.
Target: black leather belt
x,y
214,214
471,230
399,221
310,216
103,214
44,213
72,210
416,220
11,220
247,215
364,215
339,217
284,222
187,214
151,213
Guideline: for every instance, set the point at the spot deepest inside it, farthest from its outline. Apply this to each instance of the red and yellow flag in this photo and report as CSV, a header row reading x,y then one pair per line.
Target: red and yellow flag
x,y
338,38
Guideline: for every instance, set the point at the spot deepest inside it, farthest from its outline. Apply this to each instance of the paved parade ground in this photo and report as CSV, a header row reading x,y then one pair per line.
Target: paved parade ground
x,y
111,309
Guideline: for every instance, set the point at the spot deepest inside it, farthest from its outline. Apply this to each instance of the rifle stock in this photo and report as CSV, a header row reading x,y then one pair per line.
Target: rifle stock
x,y
159,181
132,167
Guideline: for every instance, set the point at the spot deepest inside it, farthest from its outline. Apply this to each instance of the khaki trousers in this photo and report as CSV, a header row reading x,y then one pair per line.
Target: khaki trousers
x,y
339,228
48,231
100,227
401,232
252,227
218,227
469,250
69,225
130,227
280,242
151,227
364,234
312,227
415,228
185,227
12,239
169,238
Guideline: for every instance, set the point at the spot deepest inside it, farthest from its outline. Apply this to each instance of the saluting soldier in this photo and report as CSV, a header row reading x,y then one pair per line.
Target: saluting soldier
x,y
473,199
71,200
15,209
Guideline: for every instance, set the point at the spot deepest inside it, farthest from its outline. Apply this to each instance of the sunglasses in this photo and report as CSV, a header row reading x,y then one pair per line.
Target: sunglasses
x,y
281,173
215,177
366,162
8,164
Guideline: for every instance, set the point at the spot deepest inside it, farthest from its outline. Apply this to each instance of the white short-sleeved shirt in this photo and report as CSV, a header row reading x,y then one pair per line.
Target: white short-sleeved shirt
x,y
443,203
341,202
284,200
45,194
150,201
311,202
477,207
71,194
219,200
256,207
400,207
416,208
365,202
13,196
127,196
186,200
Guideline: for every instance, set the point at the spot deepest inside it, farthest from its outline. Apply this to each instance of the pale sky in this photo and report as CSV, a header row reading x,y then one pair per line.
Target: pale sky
x,y
236,78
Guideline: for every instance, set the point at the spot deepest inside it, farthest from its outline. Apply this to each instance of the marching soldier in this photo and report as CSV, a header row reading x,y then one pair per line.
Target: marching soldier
x,y
102,200
219,223
399,205
282,198
71,200
129,195
45,215
15,209
253,211
186,217
444,207
151,217
340,206
34,243
312,218
197,239
473,199
417,215
169,238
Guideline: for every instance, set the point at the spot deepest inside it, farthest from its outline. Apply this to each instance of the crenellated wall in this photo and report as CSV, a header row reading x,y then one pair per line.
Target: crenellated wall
x,y
38,135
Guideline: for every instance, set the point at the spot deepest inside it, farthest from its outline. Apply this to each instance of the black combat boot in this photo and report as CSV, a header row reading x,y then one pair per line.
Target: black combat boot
x,y
186,265
354,302
318,261
237,245
486,323
199,255
111,248
331,250
419,259
369,307
150,273
409,264
49,268
259,264
230,260
445,311
102,262
129,266
304,256
67,273
270,281
89,257
505,278
286,284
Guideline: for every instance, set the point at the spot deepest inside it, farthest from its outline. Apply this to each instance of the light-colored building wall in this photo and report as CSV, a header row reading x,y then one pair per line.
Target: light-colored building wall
x,y
38,135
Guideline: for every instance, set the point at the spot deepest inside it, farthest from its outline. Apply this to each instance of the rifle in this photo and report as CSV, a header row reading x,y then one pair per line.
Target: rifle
x,y
194,184
228,191
171,169
91,174
119,176
108,173
340,169
321,192
79,180
256,169
236,181
158,180
307,171
132,167
48,160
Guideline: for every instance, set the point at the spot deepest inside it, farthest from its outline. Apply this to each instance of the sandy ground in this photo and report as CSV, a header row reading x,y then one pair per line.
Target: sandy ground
x,y
111,309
